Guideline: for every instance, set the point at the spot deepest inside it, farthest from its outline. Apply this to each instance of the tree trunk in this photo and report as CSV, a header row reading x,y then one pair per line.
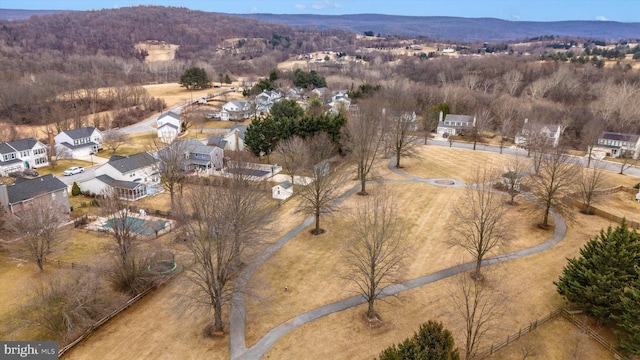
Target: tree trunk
x,y
218,326
370,310
398,160
363,190
477,275
316,231
545,220
40,265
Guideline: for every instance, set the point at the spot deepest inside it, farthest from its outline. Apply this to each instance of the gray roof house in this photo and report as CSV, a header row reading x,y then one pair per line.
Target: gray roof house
x,y
22,154
132,177
233,140
454,124
79,142
23,191
197,156
617,145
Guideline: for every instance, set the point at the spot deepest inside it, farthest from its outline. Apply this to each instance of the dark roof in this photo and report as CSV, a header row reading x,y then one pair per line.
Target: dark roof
x,y
214,140
118,183
454,117
23,144
80,133
80,146
17,145
619,136
242,129
285,184
12,161
170,114
129,163
29,188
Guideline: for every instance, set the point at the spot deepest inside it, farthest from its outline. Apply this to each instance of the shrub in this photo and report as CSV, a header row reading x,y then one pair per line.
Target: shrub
x,y
75,189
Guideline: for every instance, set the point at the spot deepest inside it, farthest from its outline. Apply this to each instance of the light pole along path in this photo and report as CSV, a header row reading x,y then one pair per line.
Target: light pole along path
x,y
237,316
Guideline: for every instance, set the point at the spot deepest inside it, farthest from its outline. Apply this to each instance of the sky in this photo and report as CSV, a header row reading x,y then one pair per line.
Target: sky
x,y
515,10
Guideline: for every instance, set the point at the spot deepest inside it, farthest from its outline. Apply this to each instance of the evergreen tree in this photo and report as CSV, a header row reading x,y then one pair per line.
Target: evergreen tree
x,y
431,342
194,78
629,320
75,189
598,278
261,136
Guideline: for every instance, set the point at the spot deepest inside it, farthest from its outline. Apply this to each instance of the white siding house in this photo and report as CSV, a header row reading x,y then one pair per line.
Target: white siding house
x,y
233,140
79,142
169,125
549,133
455,124
132,177
238,109
22,154
617,145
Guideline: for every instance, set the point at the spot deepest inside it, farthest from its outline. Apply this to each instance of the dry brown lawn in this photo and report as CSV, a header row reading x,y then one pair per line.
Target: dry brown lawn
x,y
311,267
620,203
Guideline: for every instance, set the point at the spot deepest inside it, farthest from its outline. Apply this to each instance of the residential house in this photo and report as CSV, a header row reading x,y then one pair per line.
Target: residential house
x,y
22,154
23,191
617,145
454,124
131,177
339,101
238,109
295,93
266,99
79,142
197,156
233,140
282,191
550,133
169,126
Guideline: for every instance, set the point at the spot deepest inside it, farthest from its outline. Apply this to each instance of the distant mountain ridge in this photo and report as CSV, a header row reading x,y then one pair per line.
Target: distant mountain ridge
x,y
456,28
435,27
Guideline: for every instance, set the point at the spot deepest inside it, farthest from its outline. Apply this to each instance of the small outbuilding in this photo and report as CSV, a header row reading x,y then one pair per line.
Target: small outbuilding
x,y
282,191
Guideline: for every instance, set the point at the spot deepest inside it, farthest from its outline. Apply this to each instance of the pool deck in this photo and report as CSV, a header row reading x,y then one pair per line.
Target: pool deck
x,y
98,224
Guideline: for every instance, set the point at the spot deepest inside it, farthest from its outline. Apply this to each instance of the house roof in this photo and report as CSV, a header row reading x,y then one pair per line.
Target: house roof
x,y
167,124
619,137
79,146
196,146
462,118
242,129
285,184
169,114
120,184
80,133
9,162
125,164
26,189
17,145
214,140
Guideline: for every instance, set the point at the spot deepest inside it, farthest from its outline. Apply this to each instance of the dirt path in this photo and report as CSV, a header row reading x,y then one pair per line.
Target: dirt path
x,y
238,349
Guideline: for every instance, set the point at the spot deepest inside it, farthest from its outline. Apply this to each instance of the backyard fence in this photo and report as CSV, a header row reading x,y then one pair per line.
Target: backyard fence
x,y
565,313
102,321
604,214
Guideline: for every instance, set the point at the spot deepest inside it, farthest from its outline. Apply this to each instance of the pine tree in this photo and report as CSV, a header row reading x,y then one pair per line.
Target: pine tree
x,y
628,320
598,278
75,189
431,342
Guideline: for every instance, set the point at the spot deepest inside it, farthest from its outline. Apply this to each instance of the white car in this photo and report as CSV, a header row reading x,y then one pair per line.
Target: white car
x,y
73,170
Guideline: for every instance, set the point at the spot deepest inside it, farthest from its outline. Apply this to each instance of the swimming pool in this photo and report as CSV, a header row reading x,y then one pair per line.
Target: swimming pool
x,y
137,225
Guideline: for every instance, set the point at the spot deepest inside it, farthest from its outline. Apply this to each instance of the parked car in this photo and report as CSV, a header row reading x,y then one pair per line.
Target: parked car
x,y
73,170
31,172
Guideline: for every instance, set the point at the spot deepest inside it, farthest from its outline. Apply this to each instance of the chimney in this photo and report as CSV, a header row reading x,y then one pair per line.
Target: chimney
x,y
4,196
52,148
441,115
526,120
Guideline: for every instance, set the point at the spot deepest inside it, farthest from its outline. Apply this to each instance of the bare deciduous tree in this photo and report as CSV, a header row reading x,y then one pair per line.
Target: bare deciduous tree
x,y
318,197
480,307
223,227
365,138
480,222
113,139
590,134
403,143
39,226
555,180
375,250
172,160
591,182
512,79
294,155
513,178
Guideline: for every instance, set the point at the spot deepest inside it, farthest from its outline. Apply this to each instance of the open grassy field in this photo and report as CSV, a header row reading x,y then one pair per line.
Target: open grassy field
x,y
310,266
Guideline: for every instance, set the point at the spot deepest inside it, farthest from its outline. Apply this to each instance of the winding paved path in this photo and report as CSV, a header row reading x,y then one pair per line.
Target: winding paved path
x,y
237,317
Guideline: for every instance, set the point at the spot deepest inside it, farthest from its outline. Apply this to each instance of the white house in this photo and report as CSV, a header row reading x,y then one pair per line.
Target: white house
x,y
22,154
169,125
132,177
550,133
282,191
233,140
455,124
79,142
617,145
237,109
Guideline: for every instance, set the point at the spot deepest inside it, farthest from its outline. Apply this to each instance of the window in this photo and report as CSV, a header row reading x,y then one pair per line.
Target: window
x,y
24,153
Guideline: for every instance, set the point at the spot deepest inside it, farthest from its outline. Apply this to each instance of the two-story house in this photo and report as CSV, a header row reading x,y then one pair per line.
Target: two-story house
x,y
22,154
232,140
453,124
617,145
80,142
169,126
237,110
24,191
531,131
201,157
265,100
131,177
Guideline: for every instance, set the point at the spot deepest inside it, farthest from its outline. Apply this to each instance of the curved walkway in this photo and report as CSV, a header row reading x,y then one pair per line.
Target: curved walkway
x,y
238,349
